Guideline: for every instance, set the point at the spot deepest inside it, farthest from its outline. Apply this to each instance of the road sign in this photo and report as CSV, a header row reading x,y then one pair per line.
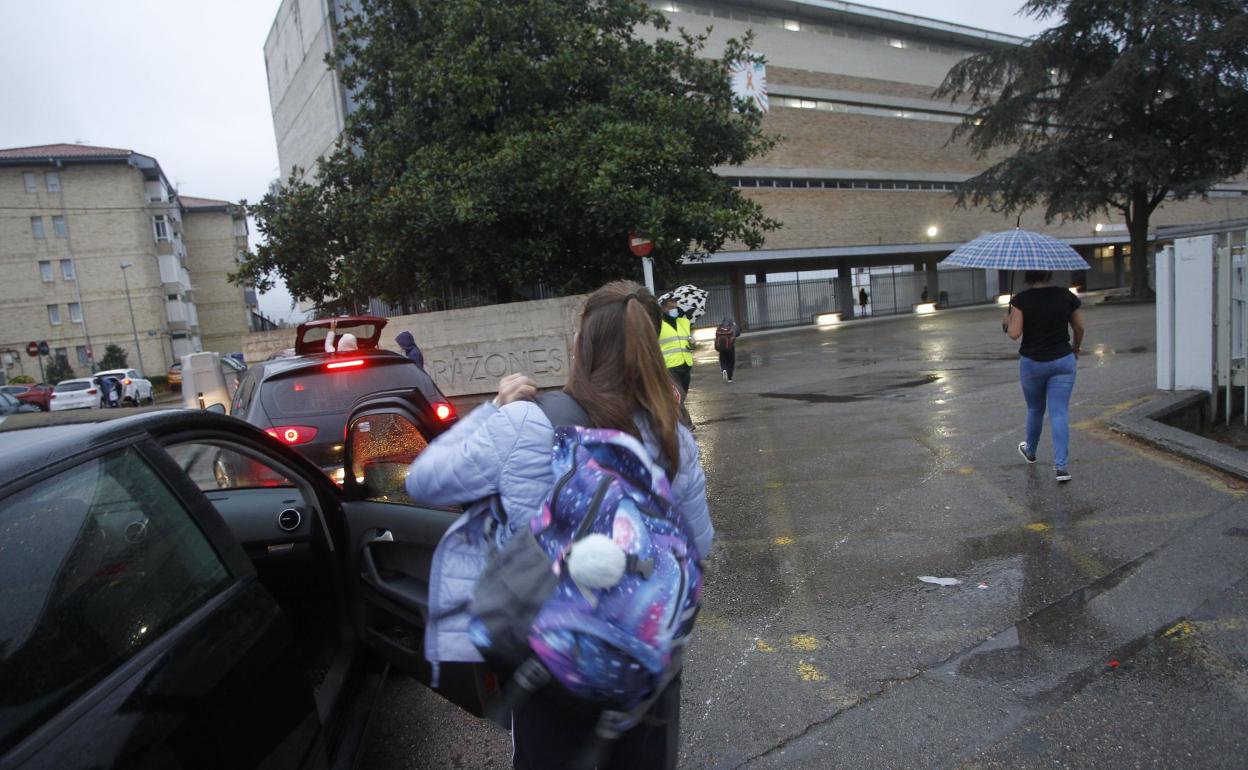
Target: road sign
x,y
43,348
640,246
32,349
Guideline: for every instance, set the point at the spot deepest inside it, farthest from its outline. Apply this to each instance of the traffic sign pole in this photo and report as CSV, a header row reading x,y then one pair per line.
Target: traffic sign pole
x,y
43,378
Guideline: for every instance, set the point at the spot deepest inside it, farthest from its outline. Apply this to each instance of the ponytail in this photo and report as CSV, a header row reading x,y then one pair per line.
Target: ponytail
x,y
618,369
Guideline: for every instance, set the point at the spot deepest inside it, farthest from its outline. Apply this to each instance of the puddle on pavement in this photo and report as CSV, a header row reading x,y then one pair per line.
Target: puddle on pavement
x,y
833,398
1055,650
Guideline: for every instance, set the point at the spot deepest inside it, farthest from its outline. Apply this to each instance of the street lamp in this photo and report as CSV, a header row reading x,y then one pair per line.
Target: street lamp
x,y
133,329
932,231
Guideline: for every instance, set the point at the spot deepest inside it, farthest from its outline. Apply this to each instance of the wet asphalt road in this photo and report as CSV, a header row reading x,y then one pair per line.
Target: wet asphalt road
x,y
1103,623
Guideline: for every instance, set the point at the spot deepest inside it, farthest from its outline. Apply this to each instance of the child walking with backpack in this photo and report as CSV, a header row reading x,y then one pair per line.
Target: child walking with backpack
x,y
726,345
583,574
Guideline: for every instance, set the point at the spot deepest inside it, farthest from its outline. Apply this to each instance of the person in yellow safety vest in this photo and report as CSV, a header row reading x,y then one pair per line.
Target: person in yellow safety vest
x,y
676,344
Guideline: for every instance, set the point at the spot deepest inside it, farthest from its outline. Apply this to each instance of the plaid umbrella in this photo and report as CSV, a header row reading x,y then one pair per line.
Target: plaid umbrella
x,y
1017,249
690,300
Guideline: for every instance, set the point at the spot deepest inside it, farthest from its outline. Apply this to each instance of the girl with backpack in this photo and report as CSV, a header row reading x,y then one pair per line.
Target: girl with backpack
x,y
726,345
618,381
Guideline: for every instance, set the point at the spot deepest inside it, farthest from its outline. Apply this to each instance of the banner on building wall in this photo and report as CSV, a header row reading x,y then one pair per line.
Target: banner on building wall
x,y
749,80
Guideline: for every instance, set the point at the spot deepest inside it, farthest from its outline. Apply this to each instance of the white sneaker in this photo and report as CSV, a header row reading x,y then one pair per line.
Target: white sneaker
x,y
724,372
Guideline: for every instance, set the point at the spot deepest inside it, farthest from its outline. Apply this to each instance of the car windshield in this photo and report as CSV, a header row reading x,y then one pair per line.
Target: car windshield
x,y
67,387
320,391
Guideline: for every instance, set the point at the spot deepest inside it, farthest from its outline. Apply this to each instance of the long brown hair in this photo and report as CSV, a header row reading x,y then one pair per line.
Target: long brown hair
x,y
618,370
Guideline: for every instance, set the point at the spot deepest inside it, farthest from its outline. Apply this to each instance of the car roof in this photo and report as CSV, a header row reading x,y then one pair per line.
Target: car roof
x,y
114,371
29,445
316,360
87,380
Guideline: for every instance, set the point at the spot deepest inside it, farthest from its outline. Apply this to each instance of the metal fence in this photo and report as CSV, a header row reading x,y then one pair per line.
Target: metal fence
x,y
899,292
770,305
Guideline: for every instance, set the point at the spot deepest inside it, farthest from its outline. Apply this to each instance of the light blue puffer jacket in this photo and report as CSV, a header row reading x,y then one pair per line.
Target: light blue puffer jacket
x,y
507,452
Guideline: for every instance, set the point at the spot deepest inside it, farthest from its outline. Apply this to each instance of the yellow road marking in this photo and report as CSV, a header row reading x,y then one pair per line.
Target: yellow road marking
x,y
809,673
804,643
762,646
782,540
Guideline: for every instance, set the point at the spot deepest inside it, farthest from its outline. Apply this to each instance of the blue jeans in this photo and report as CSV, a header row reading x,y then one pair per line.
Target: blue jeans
x,y
1048,384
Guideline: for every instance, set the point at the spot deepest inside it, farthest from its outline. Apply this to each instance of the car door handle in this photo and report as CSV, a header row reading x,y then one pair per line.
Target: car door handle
x,y
404,592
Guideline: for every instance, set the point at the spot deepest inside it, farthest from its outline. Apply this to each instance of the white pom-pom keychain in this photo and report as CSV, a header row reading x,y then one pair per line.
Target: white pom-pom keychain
x,y
596,562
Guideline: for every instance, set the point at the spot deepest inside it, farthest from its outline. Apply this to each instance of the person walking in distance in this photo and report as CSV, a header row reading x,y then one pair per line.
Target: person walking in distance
x,y
726,345
676,344
1041,315
863,299
617,382
407,344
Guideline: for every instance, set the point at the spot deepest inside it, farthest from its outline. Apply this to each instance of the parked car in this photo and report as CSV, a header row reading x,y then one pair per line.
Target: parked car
x,y
10,405
39,395
157,615
303,399
82,393
231,368
135,389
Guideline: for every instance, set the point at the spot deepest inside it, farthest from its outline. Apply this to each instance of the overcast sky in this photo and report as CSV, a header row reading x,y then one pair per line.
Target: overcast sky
x,y
185,83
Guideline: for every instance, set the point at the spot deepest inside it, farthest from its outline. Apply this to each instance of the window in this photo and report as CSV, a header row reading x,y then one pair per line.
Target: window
x,y
81,350
58,226
75,313
28,179
36,227
60,353
214,467
161,227
383,447
45,271
54,315
53,181
110,562
67,269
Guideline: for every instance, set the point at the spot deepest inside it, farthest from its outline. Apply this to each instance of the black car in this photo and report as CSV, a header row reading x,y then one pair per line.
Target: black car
x,y
303,399
153,617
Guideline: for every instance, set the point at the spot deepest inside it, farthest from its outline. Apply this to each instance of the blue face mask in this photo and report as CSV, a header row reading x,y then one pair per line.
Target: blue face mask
x,y
673,313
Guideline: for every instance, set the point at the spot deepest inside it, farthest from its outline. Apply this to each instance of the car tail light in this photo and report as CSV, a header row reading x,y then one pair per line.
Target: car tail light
x,y
92,392
292,435
444,411
127,381
353,363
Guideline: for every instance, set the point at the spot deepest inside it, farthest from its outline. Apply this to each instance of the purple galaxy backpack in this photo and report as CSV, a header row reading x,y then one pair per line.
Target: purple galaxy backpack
x,y
599,593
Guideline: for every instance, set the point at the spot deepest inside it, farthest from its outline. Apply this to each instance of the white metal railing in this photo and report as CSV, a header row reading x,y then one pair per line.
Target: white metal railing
x,y
176,311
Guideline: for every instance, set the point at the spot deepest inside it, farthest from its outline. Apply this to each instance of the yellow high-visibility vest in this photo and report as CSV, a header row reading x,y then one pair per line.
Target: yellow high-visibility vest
x,y
675,341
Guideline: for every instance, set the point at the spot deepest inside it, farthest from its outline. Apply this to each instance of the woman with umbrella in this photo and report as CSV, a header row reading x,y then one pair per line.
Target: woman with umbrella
x,y
1040,316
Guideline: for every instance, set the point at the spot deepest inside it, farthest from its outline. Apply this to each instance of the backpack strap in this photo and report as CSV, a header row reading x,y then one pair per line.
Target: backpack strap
x,y
562,410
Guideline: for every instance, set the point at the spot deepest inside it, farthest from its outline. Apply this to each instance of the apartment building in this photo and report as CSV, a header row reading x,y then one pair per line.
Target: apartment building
x,y
93,237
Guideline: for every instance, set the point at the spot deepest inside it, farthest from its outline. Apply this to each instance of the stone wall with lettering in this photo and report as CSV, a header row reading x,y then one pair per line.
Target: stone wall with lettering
x,y
467,351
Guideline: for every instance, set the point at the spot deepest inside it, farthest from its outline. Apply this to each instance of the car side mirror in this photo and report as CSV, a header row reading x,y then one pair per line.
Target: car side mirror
x,y
217,408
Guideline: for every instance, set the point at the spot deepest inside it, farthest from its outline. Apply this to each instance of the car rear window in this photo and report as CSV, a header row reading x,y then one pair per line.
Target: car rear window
x,y
315,335
66,387
325,391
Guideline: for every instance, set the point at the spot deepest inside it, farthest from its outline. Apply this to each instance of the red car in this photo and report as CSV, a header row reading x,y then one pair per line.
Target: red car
x,y
39,395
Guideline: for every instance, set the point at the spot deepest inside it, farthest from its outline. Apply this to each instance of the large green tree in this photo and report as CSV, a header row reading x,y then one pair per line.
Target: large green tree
x,y
499,144
1121,105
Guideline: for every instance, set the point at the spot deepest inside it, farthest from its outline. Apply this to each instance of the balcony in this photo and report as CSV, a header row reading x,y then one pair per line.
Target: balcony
x,y
182,316
173,276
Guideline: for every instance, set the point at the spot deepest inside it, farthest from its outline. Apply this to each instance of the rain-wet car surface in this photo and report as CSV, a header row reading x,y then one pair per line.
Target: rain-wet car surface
x,y
303,399
1096,624
157,615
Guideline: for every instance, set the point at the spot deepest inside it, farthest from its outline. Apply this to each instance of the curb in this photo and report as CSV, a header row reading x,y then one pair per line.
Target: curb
x,y
1144,423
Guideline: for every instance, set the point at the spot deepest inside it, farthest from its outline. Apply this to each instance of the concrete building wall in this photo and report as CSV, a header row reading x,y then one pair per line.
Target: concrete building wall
x,y
213,243
107,223
304,94
467,351
832,218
